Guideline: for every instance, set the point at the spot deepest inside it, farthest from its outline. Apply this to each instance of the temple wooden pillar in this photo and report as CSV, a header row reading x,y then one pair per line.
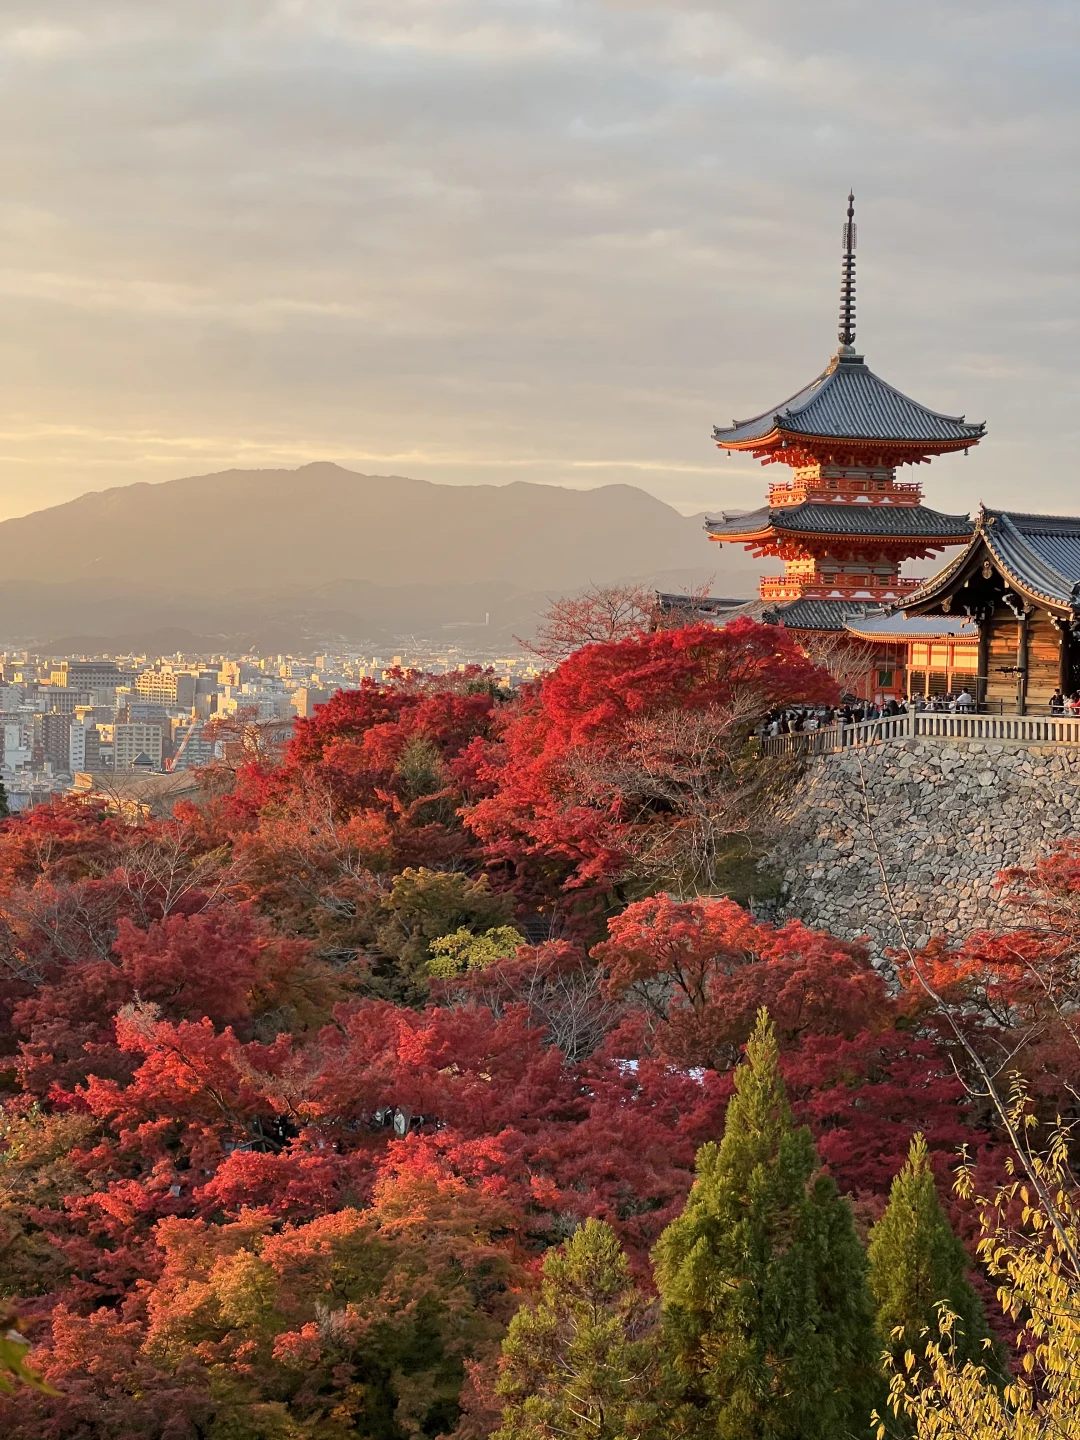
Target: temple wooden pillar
x,y
983,662
1064,658
1021,663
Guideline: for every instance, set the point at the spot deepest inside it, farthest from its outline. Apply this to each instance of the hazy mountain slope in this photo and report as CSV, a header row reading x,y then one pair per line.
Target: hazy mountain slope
x,y
320,523
280,558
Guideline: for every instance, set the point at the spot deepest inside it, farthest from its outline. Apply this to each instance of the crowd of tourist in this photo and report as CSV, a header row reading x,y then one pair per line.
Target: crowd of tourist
x,y
795,721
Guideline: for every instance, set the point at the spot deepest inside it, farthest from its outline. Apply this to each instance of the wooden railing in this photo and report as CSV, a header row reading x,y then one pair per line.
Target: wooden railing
x,y
945,725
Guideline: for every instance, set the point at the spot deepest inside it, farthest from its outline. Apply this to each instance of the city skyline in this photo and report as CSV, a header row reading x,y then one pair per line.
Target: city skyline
x,y
478,243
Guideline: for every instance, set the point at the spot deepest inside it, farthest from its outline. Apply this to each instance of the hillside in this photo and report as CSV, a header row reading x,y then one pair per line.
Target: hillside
x,y
286,556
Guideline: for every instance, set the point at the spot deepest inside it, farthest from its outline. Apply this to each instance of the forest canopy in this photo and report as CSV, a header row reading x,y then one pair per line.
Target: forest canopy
x,y
434,1077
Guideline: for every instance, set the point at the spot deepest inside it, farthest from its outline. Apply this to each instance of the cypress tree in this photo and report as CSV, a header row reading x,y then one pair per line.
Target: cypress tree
x,y
768,1319
4,811
580,1363
916,1263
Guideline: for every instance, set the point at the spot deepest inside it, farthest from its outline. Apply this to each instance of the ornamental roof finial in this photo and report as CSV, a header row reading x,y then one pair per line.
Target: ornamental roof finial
x,y
847,281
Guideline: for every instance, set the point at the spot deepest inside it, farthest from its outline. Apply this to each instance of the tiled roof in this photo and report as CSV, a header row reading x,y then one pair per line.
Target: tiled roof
x,y
1041,551
700,604
1040,554
915,627
820,614
849,401
890,520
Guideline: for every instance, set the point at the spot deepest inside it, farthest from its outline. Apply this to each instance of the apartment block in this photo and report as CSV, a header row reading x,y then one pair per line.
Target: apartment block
x,y
84,743
137,742
175,689
52,738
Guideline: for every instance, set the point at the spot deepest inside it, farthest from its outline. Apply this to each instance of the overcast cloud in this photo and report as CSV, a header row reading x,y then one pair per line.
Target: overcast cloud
x,y
527,239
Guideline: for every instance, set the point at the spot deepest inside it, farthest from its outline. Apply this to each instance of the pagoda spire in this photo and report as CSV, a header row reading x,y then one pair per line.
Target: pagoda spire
x,y
847,280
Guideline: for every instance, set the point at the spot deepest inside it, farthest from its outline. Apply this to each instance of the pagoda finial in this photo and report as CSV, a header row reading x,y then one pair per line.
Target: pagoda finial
x,y
847,280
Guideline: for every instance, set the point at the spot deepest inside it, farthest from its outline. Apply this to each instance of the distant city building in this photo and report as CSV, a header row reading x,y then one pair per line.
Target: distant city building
x,y
87,674
14,741
151,711
137,743
62,700
167,687
190,749
51,741
84,743
307,698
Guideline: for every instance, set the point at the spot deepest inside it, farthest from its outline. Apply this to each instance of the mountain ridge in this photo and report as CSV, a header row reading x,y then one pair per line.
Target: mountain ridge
x,y
321,540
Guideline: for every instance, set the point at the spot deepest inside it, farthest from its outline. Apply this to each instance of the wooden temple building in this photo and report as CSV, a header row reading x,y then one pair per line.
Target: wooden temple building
x,y
1017,583
843,522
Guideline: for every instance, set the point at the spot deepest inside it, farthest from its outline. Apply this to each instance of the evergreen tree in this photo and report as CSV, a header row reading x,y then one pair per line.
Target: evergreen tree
x,y
4,811
580,1363
916,1263
768,1318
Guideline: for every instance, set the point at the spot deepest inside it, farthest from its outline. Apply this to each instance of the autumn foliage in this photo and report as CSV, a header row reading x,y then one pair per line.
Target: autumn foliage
x,y
271,1166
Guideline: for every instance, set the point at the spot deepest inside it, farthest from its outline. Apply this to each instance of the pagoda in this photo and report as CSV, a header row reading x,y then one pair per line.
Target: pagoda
x,y
843,522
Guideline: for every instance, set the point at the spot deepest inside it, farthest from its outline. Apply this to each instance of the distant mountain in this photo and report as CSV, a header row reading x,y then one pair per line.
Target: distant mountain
x,y
324,553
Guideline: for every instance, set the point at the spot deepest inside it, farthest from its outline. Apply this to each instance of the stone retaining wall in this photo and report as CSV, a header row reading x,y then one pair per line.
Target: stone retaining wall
x,y
947,815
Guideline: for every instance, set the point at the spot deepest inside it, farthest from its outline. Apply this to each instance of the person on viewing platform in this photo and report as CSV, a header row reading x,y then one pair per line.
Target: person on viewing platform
x,y
965,703
1057,703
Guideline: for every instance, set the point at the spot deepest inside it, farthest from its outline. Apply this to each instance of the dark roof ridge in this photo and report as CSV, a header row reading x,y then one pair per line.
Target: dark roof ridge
x,y
1071,522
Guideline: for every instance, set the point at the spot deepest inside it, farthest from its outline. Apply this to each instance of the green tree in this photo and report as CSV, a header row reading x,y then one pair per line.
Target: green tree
x,y
4,810
1030,1244
768,1319
580,1363
462,951
425,905
916,1264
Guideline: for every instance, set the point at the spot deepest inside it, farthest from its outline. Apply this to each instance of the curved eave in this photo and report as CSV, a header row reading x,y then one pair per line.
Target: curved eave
x,y
747,537
780,438
906,637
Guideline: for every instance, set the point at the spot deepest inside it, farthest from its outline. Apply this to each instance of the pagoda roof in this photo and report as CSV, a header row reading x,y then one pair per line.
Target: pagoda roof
x,y
888,521
1038,555
848,401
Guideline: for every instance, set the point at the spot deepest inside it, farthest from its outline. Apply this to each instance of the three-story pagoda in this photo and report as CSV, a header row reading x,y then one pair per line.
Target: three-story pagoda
x,y
843,523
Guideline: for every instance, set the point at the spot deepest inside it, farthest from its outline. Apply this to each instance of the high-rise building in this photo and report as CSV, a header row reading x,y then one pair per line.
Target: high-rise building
x,y
84,742
137,742
52,739
175,688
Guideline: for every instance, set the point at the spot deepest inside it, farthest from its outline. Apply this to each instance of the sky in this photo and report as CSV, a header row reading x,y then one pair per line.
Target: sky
x,y
479,241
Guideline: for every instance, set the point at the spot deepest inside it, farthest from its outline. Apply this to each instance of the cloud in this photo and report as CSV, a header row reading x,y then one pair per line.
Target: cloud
x,y
502,235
